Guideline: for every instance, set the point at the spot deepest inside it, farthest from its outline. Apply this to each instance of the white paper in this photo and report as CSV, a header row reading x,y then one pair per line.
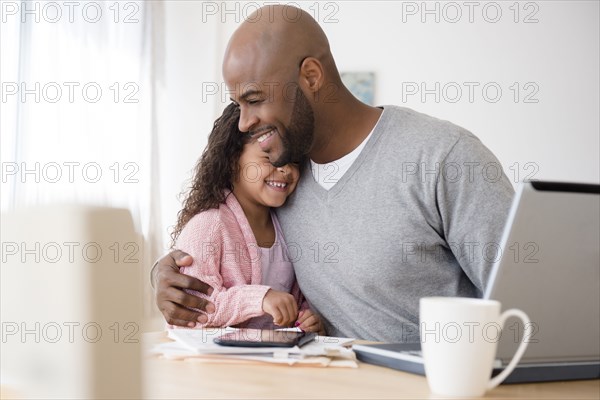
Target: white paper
x,y
198,344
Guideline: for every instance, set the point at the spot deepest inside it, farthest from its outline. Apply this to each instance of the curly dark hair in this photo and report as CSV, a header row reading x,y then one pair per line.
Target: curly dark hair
x,y
216,169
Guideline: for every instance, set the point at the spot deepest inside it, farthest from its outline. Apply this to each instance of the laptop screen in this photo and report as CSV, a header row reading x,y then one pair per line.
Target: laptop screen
x,y
549,267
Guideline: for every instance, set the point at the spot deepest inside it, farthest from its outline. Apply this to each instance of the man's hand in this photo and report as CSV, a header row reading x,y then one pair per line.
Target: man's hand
x,y
310,322
171,299
281,306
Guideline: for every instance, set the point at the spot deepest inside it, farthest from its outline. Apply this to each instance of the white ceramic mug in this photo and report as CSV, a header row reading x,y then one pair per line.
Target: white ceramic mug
x,y
459,337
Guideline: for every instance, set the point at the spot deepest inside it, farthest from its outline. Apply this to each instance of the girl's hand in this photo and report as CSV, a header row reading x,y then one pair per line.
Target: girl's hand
x,y
310,322
281,306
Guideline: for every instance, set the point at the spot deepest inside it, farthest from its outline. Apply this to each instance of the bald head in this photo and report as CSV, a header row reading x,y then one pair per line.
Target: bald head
x,y
271,45
280,71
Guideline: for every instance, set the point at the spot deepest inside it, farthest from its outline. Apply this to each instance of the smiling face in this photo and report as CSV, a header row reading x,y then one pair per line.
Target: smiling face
x,y
285,143
259,182
277,115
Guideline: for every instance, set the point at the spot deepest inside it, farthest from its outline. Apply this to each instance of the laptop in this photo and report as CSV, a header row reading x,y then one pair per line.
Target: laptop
x,y
549,268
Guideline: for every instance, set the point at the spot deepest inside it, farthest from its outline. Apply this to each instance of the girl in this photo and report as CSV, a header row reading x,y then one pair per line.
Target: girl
x,y
227,226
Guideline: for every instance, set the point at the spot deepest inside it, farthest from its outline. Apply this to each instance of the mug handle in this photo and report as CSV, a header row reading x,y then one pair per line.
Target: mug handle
x,y
522,347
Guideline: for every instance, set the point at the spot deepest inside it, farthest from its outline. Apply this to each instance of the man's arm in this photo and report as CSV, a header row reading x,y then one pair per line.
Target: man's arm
x,y
474,206
171,299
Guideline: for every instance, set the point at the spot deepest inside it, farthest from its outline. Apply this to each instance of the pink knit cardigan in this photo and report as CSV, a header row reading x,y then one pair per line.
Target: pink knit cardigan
x,y
227,257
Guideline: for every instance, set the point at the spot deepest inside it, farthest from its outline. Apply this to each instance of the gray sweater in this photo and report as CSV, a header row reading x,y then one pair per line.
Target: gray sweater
x,y
419,213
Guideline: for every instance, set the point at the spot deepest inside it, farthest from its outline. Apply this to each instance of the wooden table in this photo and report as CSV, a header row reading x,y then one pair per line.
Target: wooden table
x,y
196,379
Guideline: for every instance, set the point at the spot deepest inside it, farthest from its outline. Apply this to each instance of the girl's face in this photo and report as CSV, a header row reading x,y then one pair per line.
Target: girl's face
x,y
260,182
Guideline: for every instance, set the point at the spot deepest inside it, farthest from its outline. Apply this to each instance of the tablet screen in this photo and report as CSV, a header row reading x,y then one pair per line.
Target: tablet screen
x,y
261,337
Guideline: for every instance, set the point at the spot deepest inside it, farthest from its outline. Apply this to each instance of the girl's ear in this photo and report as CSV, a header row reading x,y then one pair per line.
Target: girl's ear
x,y
311,74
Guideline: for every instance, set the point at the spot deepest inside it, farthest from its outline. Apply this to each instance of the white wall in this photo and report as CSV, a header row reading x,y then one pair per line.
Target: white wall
x,y
185,120
558,54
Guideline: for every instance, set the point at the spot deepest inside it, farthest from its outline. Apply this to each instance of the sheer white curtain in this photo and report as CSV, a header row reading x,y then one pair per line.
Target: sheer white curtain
x,y
78,108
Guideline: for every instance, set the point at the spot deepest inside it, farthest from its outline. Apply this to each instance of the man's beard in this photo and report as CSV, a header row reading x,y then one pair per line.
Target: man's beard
x,y
299,134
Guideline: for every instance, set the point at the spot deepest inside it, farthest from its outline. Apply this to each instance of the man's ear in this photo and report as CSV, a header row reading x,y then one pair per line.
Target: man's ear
x,y
311,74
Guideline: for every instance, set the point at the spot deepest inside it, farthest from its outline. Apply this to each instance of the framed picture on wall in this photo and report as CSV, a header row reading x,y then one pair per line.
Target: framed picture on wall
x,y
361,84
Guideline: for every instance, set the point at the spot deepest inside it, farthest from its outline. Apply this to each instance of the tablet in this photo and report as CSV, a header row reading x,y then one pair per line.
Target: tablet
x,y
264,338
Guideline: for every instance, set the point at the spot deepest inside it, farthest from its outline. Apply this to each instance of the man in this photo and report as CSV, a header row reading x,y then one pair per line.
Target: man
x,y
393,205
